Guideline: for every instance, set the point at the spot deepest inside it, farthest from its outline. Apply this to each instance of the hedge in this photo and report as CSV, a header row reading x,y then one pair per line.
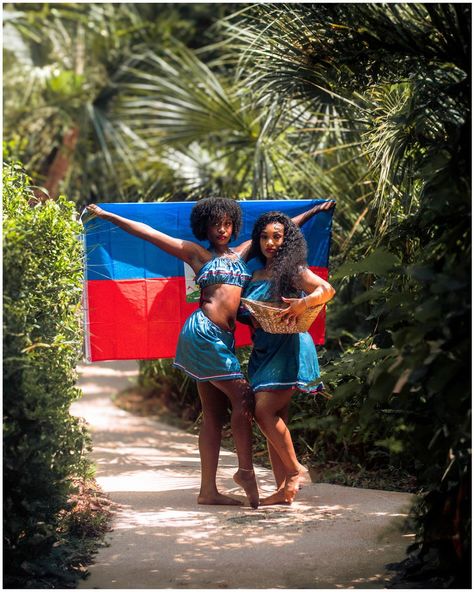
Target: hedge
x,y
44,446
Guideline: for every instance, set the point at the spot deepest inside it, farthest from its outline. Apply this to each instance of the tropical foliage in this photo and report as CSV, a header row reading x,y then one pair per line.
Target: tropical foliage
x,y
397,78
63,67
43,445
366,103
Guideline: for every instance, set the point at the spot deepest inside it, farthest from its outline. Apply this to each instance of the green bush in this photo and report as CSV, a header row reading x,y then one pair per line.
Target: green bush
x,y
177,391
43,444
400,385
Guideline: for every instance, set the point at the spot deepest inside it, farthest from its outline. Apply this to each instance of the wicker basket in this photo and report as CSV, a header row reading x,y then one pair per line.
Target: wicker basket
x,y
265,314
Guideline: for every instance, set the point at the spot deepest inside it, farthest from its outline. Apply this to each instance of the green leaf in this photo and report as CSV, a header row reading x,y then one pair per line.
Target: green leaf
x,y
346,391
66,83
379,262
393,444
422,273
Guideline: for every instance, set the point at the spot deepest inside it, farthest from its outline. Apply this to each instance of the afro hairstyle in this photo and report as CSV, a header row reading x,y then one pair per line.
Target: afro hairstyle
x,y
211,210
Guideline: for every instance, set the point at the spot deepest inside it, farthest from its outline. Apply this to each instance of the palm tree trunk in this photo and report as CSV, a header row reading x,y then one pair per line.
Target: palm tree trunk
x,y
62,160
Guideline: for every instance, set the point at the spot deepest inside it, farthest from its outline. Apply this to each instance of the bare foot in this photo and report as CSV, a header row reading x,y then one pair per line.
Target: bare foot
x,y
304,476
276,498
246,479
291,486
218,499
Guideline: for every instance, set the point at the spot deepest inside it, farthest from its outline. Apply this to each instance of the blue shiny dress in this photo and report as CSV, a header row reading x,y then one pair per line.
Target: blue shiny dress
x,y
205,351
284,360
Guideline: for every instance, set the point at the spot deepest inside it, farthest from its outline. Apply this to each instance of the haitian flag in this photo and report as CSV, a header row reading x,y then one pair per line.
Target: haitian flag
x,y
137,297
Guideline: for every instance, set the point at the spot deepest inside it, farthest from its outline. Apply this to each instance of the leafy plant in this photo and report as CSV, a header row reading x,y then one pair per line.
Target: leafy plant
x,y
374,101
393,82
43,446
63,81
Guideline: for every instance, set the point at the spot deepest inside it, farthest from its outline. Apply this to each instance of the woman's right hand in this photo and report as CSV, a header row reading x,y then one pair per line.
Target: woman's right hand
x,y
96,211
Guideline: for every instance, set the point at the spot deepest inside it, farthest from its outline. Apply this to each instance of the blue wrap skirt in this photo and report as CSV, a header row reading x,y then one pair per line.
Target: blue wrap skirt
x,y
284,361
205,351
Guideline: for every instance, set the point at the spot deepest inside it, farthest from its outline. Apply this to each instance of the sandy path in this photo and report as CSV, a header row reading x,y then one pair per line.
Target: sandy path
x,y
331,537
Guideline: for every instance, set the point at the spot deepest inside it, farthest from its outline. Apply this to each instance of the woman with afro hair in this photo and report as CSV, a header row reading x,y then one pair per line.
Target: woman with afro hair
x,y
206,343
282,363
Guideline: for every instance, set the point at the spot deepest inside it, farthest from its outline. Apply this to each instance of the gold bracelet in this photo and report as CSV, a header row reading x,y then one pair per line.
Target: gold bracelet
x,y
305,301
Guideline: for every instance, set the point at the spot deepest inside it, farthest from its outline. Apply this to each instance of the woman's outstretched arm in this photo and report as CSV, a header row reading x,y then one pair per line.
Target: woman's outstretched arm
x,y
299,220
187,251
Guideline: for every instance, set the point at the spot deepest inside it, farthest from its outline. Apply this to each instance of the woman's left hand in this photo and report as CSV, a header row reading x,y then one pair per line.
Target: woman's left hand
x,y
327,205
296,307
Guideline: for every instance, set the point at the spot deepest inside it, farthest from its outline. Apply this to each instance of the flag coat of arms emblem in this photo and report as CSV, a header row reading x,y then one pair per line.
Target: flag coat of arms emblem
x,y
137,297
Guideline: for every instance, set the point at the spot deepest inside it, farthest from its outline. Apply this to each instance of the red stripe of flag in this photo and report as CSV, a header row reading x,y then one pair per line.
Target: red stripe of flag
x,y
141,319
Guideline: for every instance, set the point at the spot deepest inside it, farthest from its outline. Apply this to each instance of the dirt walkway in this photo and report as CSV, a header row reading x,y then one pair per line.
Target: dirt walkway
x,y
332,537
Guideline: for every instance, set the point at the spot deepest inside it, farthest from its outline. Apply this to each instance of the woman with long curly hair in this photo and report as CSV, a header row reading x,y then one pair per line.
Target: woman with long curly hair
x,y
282,363
206,343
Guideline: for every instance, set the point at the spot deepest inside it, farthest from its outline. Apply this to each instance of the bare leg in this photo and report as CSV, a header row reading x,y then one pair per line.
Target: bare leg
x,y
267,413
241,398
214,414
280,478
277,466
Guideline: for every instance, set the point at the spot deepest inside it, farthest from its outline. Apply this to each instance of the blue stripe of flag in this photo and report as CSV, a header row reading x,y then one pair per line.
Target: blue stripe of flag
x,y
113,254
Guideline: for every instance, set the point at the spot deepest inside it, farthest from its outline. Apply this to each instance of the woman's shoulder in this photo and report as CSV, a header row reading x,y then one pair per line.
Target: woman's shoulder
x,y
302,269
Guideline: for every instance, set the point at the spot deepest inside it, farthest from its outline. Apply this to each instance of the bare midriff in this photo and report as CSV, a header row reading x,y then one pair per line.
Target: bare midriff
x,y
220,303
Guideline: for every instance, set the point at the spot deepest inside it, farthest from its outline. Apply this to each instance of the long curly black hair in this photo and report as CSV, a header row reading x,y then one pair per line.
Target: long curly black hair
x,y
289,259
211,210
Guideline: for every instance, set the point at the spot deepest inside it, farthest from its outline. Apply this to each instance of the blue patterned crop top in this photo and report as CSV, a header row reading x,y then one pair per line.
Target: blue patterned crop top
x,y
223,270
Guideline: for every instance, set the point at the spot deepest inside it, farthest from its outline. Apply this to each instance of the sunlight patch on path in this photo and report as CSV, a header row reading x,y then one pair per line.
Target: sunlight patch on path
x,y
331,537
